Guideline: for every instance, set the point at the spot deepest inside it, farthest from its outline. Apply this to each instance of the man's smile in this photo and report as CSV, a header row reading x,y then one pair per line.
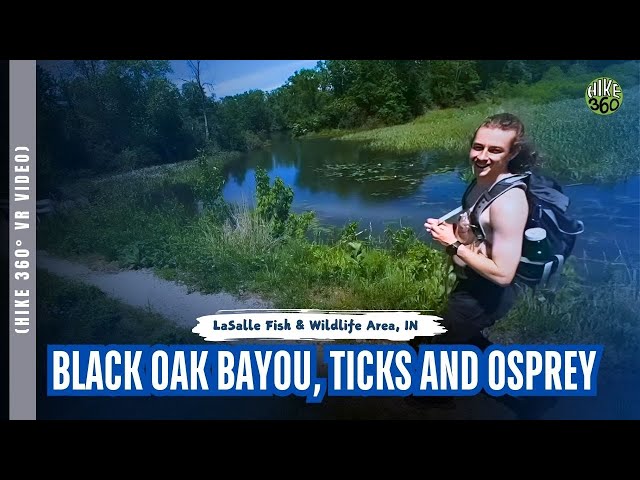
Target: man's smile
x,y
481,164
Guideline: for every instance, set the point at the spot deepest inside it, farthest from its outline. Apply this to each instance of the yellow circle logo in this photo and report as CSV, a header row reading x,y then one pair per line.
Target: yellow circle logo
x,y
603,96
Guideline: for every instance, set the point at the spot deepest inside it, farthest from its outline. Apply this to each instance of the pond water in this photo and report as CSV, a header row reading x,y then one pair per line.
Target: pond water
x,y
343,182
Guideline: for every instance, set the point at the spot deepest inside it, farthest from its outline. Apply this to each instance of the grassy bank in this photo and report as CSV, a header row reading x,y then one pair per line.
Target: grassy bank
x,y
150,222
581,312
576,144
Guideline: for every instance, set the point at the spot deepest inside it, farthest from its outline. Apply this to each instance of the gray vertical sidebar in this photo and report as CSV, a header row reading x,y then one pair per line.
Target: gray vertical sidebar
x,y
22,239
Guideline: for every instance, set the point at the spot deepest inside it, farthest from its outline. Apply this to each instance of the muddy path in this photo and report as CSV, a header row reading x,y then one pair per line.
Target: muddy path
x,y
142,288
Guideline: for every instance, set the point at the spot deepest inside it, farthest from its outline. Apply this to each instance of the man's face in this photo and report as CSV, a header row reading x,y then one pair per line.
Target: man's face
x,y
490,151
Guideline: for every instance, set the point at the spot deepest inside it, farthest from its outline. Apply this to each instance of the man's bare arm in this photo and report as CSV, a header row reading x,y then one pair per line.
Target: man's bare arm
x,y
509,215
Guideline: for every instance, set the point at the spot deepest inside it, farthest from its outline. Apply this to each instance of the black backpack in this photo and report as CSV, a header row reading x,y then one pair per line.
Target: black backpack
x,y
547,209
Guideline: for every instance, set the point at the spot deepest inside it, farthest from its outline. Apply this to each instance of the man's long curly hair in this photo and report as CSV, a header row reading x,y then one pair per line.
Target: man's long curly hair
x,y
524,156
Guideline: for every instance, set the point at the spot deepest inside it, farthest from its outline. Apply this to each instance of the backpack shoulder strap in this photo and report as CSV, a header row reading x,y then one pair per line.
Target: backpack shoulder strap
x,y
466,192
489,196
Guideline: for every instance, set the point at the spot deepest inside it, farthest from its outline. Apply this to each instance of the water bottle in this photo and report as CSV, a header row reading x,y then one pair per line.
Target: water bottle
x,y
537,260
536,246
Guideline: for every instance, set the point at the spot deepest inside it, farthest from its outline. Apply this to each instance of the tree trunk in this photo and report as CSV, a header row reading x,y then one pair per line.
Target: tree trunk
x,y
195,69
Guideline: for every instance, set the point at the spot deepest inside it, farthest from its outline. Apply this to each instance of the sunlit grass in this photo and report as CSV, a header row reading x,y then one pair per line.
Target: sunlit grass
x,y
576,144
449,130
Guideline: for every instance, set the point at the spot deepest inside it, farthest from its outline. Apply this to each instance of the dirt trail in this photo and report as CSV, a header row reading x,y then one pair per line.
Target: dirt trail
x,y
141,288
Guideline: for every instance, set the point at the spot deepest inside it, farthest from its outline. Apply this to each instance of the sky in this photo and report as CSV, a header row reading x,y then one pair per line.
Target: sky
x,y
230,77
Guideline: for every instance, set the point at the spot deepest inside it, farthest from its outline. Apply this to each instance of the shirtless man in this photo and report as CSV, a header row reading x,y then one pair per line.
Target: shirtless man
x,y
484,291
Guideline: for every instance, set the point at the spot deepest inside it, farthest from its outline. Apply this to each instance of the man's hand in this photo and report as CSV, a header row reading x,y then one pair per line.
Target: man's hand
x,y
441,232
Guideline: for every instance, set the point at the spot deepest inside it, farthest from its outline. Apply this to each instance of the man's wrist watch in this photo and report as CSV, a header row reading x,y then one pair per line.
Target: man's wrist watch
x,y
452,248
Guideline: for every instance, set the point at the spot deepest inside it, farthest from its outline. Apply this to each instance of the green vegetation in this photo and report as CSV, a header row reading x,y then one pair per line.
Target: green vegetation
x,y
72,312
439,130
143,222
558,84
575,144
605,313
118,116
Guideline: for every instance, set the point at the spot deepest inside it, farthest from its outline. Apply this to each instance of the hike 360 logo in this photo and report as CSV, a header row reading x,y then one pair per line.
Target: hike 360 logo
x,y
603,96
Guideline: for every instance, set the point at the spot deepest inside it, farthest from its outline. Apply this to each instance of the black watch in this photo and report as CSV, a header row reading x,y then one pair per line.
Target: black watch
x,y
452,248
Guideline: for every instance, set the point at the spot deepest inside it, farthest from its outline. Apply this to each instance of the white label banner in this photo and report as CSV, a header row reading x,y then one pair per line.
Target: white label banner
x,y
394,325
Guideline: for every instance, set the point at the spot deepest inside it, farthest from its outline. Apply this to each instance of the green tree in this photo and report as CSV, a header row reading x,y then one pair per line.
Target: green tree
x,y
301,102
125,113
369,91
245,121
516,71
454,82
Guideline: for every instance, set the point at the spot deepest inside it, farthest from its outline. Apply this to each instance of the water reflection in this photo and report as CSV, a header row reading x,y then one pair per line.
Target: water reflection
x,y
343,182
346,170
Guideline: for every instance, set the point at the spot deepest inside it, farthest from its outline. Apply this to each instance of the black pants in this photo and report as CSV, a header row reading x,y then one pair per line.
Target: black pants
x,y
475,304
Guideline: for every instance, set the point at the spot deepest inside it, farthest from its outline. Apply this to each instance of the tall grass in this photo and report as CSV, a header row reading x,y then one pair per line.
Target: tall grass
x,y
606,313
447,130
247,231
577,145
584,147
